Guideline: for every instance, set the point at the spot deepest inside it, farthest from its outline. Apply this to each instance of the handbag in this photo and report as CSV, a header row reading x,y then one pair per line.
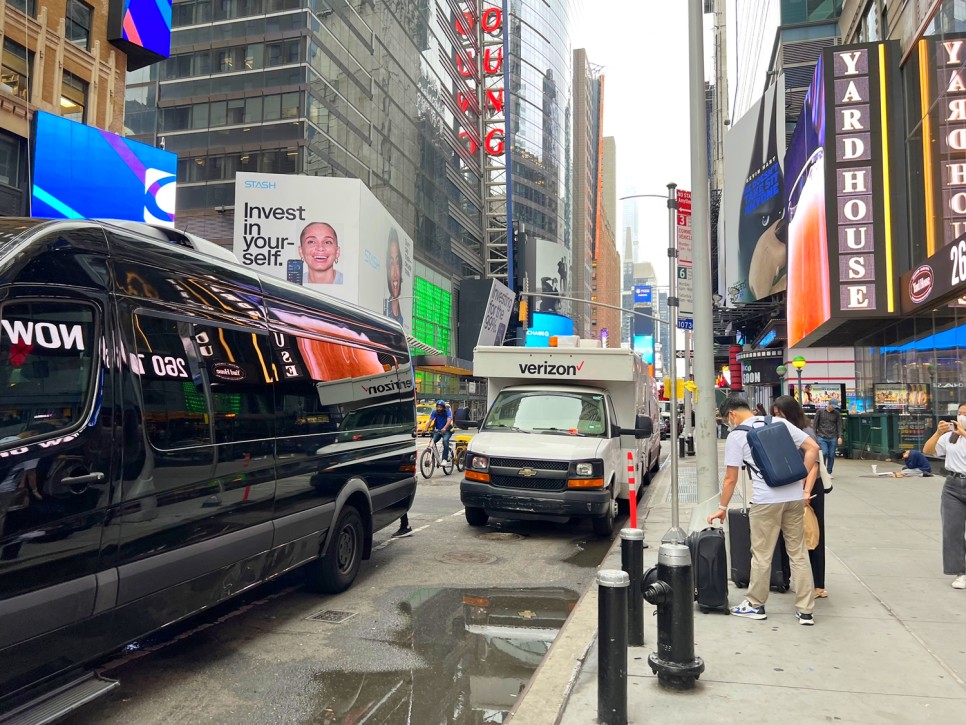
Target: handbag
x,y
824,474
812,533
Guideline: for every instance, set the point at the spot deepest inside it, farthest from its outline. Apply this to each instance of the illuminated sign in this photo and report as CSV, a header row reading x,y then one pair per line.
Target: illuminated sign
x,y
938,280
546,325
644,346
642,294
81,172
142,29
842,203
479,64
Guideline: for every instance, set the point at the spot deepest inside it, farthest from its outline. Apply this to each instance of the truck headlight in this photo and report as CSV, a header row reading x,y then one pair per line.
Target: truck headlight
x,y
479,463
584,470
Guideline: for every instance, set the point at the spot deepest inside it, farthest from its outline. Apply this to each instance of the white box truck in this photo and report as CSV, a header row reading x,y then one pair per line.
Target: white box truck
x,y
555,441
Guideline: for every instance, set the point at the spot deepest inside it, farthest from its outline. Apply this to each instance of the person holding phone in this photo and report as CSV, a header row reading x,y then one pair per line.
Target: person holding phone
x,y
949,442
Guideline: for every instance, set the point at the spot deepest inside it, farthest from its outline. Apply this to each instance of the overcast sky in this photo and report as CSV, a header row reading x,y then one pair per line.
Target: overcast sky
x,y
643,48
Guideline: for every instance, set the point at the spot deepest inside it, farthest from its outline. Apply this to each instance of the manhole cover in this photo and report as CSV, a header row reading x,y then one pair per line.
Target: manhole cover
x,y
499,536
332,616
465,557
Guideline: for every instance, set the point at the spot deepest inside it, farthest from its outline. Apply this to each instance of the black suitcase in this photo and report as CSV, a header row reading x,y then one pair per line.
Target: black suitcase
x,y
739,535
709,567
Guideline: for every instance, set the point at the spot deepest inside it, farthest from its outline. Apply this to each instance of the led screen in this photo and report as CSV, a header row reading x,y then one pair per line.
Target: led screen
x,y
546,325
644,346
142,29
83,172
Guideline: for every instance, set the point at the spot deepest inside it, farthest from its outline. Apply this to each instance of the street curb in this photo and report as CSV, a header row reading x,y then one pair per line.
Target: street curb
x,y
544,699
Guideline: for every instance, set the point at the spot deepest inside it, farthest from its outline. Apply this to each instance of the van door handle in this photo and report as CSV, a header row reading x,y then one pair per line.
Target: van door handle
x,y
79,484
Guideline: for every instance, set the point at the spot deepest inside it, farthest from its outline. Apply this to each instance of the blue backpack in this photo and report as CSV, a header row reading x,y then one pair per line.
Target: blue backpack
x,y
777,459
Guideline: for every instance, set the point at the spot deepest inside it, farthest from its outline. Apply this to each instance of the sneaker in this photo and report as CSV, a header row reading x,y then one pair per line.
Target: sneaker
x,y
748,611
960,582
805,619
403,533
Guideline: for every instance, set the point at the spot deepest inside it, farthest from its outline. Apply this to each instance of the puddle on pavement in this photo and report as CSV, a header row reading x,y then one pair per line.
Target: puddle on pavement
x,y
589,553
468,655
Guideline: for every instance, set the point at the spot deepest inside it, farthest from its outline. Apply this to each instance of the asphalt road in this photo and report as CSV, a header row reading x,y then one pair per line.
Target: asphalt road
x,y
444,626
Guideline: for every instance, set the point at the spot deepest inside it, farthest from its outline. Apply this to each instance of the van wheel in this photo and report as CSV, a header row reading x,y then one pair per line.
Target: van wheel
x,y
337,569
604,525
475,516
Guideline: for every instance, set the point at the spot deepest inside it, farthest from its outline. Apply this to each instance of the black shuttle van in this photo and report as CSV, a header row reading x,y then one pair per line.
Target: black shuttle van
x,y
174,430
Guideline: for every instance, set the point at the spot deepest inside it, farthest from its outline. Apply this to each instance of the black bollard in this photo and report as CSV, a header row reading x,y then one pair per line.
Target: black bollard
x,y
632,562
690,445
612,591
674,662
682,442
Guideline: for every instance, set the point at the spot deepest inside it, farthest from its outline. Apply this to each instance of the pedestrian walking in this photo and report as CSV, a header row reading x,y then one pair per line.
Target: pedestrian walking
x,y
828,430
787,407
404,529
949,442
775,511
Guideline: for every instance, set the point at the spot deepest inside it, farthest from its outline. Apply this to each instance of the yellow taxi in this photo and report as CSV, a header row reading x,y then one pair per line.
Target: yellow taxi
x,y
423,411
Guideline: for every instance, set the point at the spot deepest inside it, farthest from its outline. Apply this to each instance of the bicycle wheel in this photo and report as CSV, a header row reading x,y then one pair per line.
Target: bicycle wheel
x,y
447,465
461,458
426,463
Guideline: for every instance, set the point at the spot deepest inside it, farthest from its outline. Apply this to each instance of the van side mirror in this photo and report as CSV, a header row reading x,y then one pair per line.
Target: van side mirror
x,y
644,427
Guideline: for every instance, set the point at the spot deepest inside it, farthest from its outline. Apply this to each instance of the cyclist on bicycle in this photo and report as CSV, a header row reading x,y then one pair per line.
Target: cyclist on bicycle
x,y
441,421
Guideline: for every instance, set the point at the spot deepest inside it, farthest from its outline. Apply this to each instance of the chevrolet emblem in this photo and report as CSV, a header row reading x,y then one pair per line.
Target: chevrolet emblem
x,y
526,473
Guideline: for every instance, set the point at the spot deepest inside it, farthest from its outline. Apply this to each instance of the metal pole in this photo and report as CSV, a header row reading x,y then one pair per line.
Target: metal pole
x,y
707,448
612,589
801,397
632,562
675,534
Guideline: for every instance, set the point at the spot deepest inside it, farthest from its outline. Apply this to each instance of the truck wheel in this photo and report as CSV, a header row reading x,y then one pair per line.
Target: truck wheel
x,y
337,569
604,525
476,517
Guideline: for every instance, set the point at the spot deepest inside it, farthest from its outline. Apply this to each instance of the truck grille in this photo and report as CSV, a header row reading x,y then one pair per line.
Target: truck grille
x,y
529,484
563,466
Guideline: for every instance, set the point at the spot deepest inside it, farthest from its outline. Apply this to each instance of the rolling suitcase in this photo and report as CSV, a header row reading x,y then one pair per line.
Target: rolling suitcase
x,y
709,566
739,536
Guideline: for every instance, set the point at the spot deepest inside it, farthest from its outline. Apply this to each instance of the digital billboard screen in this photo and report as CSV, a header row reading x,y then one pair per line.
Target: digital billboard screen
x,y
83,172
546,325
142,29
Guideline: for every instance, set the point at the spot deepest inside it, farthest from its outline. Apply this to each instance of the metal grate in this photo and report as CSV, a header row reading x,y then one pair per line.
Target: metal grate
x,y
527,463
529,484
331,616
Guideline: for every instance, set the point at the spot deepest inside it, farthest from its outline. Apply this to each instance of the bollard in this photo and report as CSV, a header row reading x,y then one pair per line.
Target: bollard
x,y
674,662
682,442
632,562
691,446
612,590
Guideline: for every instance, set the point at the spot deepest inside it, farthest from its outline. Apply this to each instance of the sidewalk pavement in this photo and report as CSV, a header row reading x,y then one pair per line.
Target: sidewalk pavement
x,y
888,645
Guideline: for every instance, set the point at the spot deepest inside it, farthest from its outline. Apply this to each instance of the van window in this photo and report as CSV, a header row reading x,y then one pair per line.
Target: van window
x,y
176,409
238,366
46,353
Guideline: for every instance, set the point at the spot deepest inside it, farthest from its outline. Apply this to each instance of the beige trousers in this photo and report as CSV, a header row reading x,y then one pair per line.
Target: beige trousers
x,y
767,521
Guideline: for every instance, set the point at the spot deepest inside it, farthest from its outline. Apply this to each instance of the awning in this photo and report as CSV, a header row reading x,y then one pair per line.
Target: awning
x,y
443,364
420,348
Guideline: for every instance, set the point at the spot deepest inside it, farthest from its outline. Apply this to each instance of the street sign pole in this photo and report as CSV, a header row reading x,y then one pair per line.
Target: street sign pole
x,y
675,534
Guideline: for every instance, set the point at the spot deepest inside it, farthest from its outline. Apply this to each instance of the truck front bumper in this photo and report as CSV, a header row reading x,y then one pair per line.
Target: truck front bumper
x,y
511,502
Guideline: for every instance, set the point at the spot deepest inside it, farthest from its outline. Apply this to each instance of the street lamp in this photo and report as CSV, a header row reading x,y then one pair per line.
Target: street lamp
x,y
799,363
782,372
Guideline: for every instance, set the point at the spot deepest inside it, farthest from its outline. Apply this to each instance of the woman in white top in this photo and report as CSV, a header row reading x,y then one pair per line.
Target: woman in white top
x,y
949,441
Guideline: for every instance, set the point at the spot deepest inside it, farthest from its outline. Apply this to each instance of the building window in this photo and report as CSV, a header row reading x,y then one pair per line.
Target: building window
x,y
9,161
27,7
73,97
78,27
15,70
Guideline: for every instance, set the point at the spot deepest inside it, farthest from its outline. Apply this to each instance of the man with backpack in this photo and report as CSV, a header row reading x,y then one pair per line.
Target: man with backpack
x,y
778,506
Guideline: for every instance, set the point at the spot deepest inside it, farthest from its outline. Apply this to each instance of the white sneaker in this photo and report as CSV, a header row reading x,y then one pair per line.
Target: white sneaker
x,y
960,582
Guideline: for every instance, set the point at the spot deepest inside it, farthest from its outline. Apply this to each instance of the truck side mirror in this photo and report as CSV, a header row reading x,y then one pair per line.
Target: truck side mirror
x,y
644,427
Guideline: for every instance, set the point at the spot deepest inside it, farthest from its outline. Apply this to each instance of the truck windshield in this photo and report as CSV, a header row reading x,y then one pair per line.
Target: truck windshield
x,y
538,411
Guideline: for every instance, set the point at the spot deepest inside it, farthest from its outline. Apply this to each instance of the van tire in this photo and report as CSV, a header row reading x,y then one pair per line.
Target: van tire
x,y
604,525
335,571
476,516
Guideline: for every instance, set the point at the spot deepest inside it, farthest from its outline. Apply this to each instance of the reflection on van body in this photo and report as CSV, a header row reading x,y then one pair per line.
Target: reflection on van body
x,y
173,432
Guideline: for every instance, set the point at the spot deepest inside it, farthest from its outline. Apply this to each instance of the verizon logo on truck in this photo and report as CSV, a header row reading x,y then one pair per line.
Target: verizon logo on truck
x,y
549,368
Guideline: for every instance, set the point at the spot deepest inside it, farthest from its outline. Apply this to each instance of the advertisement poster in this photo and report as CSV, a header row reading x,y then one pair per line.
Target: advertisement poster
x,y
499,306
548,268
912,397
754,201
327,234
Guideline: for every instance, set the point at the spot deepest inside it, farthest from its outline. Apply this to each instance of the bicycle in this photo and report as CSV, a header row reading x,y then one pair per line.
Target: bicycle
x,y
431,457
